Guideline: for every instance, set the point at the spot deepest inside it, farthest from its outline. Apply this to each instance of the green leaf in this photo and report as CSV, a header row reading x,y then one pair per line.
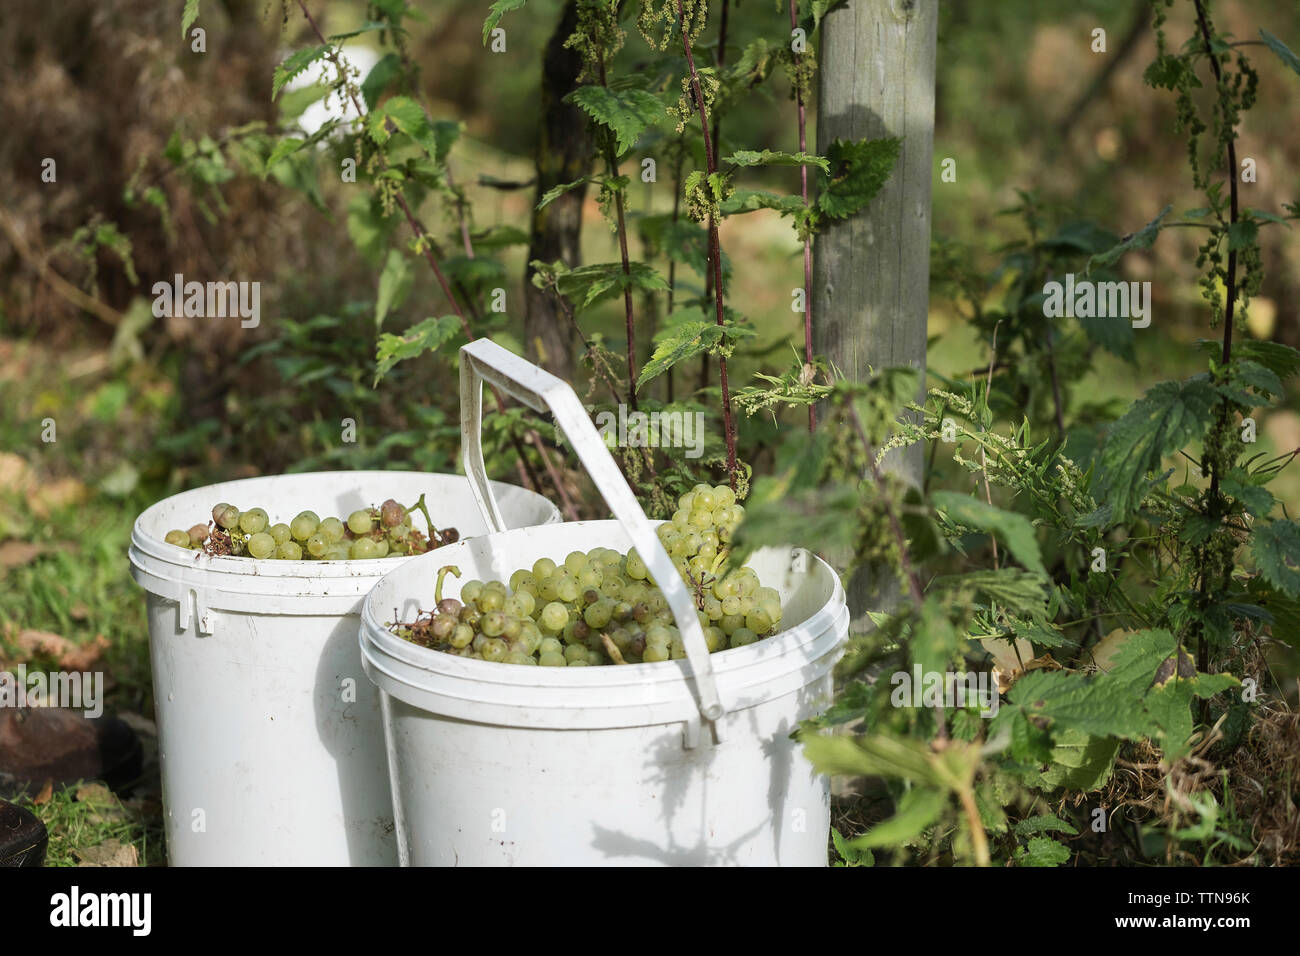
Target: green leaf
x,y
587,285
858,170
294,64
1077,762
1243,233
495,12
1258,377
1115,337
420,338
291,144
768,157
1166,418
626,113
1282,50
1142,239
394,285
1045,823
1282,360
1043,851
751,200
188,16
1276,549
1011,587
848,853
555,192
1010,529
380,77
370,26
918,809
876,755
407,116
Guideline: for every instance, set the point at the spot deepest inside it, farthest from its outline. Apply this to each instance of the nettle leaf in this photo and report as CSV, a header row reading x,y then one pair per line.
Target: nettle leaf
x,y
768,157
420,338
858,170
626,113
917,809
495,12
1281,49
587,285
294,64
1276,549
1042,851
1256,376
380,78
407,116
1011,530
1011,587
751,200
817,9
1243,233
687,339
1166,418
1115,337
1258,501
498,237
555,192
292,144
370,26
394,285
1142,239
188,16
1045,823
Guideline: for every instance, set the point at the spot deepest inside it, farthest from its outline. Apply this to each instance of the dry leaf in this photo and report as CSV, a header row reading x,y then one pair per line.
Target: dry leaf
x,y
1104,651
58,493
67,655
44,796
109,853
16,553
14,472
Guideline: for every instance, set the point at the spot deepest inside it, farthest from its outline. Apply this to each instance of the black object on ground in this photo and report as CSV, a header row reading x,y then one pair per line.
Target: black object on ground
x,y
39,744
23,837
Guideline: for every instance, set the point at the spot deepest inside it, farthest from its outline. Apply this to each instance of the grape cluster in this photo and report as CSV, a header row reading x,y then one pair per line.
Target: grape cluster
x,y
383,532
603,607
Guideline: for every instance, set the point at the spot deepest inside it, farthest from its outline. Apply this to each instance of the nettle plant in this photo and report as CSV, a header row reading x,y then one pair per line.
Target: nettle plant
x,y
666,115
1125,604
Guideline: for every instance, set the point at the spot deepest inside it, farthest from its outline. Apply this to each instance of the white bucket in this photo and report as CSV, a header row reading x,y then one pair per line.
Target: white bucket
x,y
679,762
498,764
269,740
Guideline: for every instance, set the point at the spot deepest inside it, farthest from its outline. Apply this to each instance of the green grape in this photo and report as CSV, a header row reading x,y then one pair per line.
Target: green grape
x,y
699,567
654,653
543,568
765,595
731,605
708,552
730,623
479,642
253,521
261,545
590,578
576,561
743,636
443,626
179,538
598,615
227,517
338,552
553,617
304,525
677,650
400,532
575,652
657,635
687,502
493,623
520,604
318,545
550,645
551,659
681,519
363,549
495,649
490,600
519,657
381,547
470,590
636,568
549,588
569,589
724,495
361,522
461,636
470,615
705,500
498,587
517,579
530,636
332,529
220,509
715,639
594,657
281,533
713,608
758,621
579,663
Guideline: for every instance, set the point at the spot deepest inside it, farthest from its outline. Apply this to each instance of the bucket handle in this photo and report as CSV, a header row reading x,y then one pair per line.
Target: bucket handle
x,y
483,360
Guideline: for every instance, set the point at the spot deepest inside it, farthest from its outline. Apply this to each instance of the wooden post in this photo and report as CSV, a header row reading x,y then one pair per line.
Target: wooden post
x,y
871,273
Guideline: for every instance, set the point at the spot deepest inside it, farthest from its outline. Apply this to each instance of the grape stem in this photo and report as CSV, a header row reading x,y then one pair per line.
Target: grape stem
x,y
611,649
434,536
442,573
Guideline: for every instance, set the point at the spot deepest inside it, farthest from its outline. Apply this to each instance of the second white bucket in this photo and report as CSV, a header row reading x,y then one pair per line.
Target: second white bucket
x,y
682,762
270,742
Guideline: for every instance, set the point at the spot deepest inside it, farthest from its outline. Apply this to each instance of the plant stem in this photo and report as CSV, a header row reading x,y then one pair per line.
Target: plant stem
x,y
611,160
807,240
715,249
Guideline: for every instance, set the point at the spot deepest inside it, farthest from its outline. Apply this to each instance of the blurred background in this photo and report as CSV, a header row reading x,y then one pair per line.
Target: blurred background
x,y
146,137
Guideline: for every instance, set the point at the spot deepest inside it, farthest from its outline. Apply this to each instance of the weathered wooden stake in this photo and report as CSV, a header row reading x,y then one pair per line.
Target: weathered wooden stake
x,y
871,273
